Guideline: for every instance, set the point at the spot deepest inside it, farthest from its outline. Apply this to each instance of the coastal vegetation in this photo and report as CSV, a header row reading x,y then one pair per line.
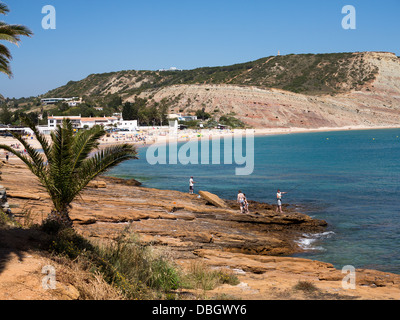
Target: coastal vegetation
x,y
11,33
146,112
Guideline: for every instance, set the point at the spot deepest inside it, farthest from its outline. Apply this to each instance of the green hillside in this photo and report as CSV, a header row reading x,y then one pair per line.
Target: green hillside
x,y
304,73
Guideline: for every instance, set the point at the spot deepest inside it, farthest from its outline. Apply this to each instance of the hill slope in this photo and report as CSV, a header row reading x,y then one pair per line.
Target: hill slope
x,y
307,73
308,90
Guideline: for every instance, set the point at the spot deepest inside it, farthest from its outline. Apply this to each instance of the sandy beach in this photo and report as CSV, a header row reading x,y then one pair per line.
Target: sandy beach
x,y
161,135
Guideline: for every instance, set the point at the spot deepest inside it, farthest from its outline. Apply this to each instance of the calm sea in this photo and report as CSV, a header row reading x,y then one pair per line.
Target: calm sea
x,y
350,179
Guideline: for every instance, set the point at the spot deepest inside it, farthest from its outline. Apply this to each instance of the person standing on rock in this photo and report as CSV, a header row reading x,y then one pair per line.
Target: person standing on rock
x,y
279,200
246,205
241,200
191,184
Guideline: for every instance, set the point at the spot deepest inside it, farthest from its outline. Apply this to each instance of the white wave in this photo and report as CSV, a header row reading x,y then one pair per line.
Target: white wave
x,y
307,241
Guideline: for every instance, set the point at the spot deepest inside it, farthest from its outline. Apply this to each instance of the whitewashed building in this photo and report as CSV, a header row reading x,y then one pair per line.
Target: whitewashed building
x,y
54,121
129,125
79,122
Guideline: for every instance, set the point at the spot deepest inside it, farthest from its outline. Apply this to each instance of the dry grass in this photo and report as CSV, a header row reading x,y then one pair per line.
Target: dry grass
x,y
201,276
91,285
306,287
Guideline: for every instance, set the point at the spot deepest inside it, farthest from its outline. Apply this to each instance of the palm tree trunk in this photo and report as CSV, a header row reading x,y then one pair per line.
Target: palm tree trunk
x,y
61,217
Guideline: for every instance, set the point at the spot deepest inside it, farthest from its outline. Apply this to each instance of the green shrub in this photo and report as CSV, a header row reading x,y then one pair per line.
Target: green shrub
x,y
200,276
67,242
136,268
4,218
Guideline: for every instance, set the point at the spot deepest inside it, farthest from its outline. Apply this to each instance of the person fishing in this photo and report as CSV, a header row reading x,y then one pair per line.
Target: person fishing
x,y
279,200
191,184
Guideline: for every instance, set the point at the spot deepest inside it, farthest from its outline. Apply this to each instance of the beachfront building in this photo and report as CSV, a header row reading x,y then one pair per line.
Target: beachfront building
x,y
79,122
53,122
128,125
102,121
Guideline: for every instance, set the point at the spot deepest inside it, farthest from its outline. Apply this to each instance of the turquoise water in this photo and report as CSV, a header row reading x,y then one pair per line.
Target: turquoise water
x,y
350,179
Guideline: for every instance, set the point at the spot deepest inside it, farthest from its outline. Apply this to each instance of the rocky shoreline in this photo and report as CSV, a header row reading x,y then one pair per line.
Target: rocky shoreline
x,y
256,246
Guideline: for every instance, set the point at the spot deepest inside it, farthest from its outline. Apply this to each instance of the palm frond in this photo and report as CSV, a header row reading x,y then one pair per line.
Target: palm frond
x,y
35,157
5,52
17,153
3,8
39,136
60,158
85,142
13,32
61,153
5,66
102,161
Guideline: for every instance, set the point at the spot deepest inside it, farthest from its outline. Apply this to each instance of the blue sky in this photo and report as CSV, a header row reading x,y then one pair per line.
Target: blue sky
x,y
96,36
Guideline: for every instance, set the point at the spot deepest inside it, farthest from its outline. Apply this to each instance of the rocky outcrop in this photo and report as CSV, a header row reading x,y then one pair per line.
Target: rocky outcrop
x,y
186,222
213,199
254,246
5,207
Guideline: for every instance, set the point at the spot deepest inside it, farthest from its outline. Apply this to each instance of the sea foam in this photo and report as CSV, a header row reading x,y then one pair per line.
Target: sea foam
x,y
308,240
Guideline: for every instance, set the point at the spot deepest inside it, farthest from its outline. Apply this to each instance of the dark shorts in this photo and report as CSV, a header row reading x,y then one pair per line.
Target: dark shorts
x,y
190,187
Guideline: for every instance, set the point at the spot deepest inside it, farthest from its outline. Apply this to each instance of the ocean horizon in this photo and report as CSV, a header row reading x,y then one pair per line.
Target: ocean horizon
x,y
348,178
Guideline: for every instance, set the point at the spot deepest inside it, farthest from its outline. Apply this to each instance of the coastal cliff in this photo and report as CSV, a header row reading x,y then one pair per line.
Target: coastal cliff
x,y
255,246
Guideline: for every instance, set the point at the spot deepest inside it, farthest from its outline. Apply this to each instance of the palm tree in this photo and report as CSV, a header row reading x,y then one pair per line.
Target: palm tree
x,y
10,33
69,162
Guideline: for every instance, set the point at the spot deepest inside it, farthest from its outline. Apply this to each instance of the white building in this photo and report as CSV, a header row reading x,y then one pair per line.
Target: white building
x,y
181,117
189,118
53,122
80,123
74,103
48,101
103,121
130,125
